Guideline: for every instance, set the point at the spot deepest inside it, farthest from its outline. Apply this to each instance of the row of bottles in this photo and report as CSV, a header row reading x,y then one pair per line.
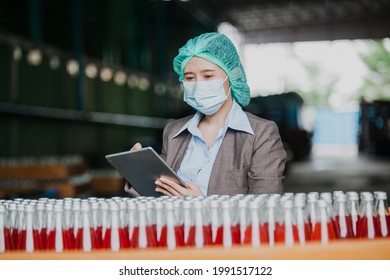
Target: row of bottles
x,y
170,222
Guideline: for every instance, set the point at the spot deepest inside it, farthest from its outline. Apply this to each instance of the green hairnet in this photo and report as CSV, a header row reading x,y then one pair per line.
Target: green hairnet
x,y
218,49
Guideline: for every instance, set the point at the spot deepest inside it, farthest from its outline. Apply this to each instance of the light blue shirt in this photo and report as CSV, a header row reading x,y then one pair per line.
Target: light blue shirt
x,y
198,160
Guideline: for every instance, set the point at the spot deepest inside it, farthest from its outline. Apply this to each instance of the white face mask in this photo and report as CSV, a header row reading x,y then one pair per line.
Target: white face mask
x,y
205,96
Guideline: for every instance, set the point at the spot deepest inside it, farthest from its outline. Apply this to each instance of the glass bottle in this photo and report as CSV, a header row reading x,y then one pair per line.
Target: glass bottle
x,y
172,233
382,214
301,220
200,233
353,209
311,208
86,237
366,225
342,217
216,222
29,239
112,238
243,218
6,242
323,228
284,231
271,214
143,236
188,220
132,216
102,221
255,232
58,238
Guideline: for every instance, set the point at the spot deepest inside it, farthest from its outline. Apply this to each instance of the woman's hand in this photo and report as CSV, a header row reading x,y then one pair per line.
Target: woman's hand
x,y
137,146
171,188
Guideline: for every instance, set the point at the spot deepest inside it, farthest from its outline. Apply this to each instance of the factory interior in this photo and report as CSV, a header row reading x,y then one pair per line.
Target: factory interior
x,y
83,79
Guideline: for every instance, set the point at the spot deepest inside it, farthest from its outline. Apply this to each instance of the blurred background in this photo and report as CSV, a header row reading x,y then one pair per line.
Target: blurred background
x,y
80,79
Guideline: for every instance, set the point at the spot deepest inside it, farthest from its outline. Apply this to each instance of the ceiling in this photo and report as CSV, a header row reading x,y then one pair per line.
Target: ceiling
x,y
266,21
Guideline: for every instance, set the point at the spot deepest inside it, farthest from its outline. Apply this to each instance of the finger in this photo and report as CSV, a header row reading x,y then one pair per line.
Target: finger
x,y
173,185
167,187
163,191
136,146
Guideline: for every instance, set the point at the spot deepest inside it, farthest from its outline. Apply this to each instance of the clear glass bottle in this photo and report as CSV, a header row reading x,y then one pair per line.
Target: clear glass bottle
x,y
366,226
284,231
301,220
255,232
86,237
143,236
58,238
382,214
6,242
29,239
323,229
271,215
342,217
188,221
216,222
200,232
353,209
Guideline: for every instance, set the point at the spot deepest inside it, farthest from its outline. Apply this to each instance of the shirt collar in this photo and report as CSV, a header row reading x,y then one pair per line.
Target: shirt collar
x,y
236,120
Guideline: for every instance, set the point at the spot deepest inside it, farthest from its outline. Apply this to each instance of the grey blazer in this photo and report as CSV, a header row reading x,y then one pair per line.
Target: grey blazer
x,y
245,163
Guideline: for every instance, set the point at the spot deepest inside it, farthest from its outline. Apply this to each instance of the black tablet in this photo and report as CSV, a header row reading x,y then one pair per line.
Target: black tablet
x,y
141,168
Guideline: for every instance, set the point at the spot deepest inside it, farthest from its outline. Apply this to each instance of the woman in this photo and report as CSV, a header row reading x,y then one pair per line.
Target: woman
x,y
221,149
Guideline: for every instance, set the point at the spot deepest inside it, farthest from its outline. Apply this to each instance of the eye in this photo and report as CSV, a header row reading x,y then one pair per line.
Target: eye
x,y
189,78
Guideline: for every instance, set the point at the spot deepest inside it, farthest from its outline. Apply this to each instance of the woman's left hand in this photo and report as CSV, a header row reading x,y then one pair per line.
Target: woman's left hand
x,y
171,188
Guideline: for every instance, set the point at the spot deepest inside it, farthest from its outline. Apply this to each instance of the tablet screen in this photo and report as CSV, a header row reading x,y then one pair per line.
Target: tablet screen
x,y
141,168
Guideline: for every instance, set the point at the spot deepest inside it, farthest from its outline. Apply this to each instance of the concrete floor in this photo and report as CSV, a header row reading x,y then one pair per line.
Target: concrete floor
x,y
338,172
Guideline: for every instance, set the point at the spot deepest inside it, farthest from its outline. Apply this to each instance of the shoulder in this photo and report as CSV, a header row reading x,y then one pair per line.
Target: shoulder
x,y
174,126
259,123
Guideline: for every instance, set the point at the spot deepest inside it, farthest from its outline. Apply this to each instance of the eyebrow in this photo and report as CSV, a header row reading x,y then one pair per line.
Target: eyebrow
x,y
202,71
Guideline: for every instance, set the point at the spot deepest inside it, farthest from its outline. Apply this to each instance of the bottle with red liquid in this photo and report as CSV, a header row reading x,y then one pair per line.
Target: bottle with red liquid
x,y
86,237
114,239
47,222
311,208
285,231
132,216
40,220
342,217
382,214
366,227
143,236
102,221
216,222
188,220
301,220
29,239
243,218
255,232
20,219
12,215
75,223
200,231
323,229
353,209
172,233
327,196
123,224
229,231
271,215
58,238
6,242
